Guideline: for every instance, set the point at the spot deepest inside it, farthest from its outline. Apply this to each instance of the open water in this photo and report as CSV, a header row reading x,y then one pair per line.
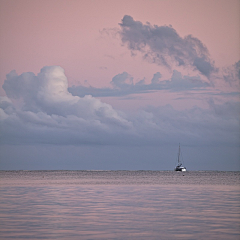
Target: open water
x,y
119,205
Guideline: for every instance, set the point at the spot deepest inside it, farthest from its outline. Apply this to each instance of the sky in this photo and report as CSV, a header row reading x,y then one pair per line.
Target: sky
x,y
117,85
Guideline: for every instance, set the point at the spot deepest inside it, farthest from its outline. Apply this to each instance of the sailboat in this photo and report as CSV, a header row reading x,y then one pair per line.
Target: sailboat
x,y
179,166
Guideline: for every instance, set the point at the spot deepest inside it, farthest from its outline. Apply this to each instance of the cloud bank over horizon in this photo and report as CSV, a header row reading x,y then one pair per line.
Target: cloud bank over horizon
x,y
50,114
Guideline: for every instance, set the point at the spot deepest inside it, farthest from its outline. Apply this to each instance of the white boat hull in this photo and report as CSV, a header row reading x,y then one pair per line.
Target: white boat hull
x,y
180,169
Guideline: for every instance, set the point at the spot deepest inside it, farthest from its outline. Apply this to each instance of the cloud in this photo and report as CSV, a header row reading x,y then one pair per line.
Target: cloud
x,y
162,45
48,92
24,86
226,109
50,114
48,106
156,78
196,126
231,75
123,84
122,81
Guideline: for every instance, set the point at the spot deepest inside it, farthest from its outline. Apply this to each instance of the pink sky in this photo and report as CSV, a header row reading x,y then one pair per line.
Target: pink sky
x,y
67,33
195,103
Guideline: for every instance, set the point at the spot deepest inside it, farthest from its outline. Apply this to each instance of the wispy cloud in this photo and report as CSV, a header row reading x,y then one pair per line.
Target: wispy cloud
x,y
123,84
162,45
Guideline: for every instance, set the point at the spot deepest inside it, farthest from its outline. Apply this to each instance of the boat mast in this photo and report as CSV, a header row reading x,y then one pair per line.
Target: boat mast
x,y
179,155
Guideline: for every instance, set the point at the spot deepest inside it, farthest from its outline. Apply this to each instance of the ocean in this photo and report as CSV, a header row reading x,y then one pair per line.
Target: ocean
x,y
119,205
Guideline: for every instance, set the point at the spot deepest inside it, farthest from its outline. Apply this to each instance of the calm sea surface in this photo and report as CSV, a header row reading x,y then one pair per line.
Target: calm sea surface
x,y
119,205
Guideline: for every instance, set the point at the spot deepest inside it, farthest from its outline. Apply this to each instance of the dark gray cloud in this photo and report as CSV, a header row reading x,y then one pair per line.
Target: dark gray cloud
x,y
156,78
226,109
163,45
24,85
122,81
231,75
122,85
